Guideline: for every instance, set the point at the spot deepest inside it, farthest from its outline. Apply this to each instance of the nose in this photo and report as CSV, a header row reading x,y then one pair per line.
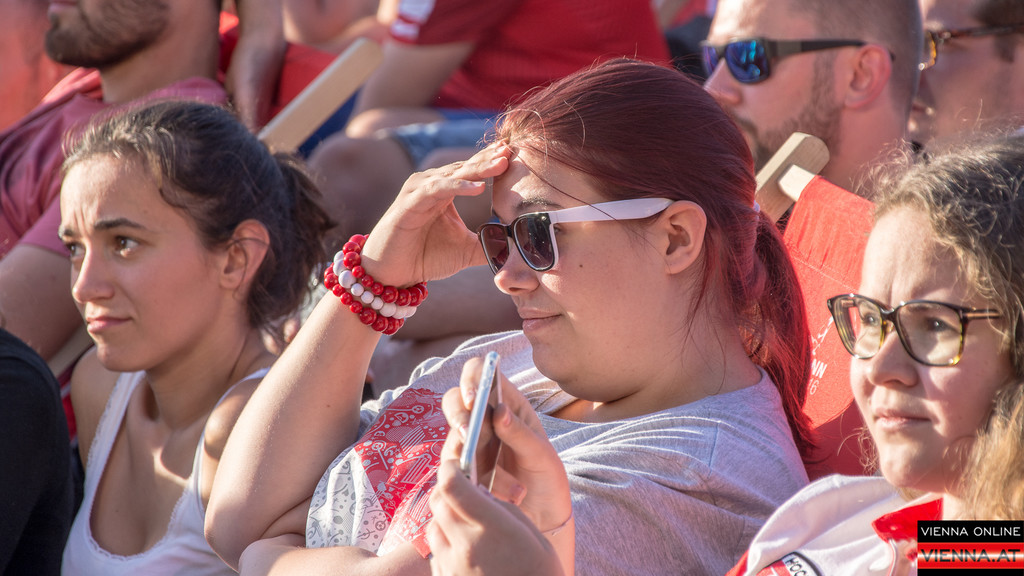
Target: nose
x,y
891,365
89,281
722,86
515,277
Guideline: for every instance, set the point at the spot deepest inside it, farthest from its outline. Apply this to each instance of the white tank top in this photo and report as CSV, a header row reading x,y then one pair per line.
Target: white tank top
x,y
182,550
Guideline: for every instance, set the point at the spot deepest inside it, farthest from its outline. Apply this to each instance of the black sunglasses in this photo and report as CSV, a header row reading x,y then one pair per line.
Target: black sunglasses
x,y
749,59
534,233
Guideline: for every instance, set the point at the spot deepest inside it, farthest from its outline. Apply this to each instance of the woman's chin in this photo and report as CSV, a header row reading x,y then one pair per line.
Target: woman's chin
x,y
113,360
547,362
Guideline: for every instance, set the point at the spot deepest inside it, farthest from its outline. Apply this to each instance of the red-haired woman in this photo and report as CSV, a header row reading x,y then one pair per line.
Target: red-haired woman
x,y
660,353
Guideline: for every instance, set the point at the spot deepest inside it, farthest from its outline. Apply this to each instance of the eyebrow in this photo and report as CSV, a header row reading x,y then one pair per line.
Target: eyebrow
x,y
533,204
104,225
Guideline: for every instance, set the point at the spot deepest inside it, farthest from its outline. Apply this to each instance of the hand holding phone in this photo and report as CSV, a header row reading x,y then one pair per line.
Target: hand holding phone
x,y
478,461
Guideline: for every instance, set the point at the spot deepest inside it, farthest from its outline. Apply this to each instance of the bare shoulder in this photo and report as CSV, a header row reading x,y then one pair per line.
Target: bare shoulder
x,y
91,385
218,427
223,417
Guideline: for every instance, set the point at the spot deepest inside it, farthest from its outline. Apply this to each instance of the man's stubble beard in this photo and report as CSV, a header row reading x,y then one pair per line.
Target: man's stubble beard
x,y
120,29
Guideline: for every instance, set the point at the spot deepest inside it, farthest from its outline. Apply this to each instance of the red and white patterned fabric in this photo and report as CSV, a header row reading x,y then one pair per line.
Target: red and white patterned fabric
x,y
381,501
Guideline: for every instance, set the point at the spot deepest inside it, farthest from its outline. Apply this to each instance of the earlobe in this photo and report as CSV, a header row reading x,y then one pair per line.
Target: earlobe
x,y
684,224
244,253
871,68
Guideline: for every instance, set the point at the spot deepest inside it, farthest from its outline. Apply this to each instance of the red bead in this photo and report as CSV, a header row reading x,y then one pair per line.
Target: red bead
x,y
351,259
368,316
403,297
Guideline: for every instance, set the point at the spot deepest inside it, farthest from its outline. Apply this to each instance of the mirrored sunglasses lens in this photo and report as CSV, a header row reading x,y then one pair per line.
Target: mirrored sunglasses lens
x,y
747,60
931,331
710,60
495,243
535,242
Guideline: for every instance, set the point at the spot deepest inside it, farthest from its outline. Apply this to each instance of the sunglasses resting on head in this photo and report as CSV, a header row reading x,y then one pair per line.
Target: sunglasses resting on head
x,y
749,59
534,233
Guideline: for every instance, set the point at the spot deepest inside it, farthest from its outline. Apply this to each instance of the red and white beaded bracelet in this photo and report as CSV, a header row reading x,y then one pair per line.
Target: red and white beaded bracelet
x,y
383,308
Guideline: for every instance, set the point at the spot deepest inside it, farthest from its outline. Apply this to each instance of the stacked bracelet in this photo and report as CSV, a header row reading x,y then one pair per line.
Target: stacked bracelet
x,y
383,308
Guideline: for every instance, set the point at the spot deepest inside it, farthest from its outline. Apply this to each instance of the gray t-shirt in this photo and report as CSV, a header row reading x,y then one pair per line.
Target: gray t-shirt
x,y
680,491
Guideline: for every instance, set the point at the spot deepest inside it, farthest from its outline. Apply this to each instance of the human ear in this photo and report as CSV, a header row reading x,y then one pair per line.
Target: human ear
x,y
683,224
869,73
244,254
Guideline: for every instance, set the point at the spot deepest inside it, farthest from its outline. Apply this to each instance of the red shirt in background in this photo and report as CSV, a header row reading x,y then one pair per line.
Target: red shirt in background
x,y
32,152
521,44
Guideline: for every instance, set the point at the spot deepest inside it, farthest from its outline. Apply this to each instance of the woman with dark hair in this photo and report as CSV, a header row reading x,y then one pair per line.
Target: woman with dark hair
x,y
660,353
188,240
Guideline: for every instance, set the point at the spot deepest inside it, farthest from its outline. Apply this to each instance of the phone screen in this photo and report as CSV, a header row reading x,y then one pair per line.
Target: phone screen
x,y
482,447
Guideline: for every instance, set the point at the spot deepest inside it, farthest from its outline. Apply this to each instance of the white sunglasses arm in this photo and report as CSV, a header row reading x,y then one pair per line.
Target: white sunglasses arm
x,y
631,209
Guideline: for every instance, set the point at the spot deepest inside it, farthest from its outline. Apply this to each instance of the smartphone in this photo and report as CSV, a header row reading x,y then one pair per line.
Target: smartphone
x,y
478,460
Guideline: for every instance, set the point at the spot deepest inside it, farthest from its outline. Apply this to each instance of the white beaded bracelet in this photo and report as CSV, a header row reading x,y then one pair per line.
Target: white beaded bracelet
x,y
349,282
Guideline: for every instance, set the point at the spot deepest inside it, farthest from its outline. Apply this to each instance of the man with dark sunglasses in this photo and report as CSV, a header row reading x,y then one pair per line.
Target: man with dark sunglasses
x,y
972,74
842,71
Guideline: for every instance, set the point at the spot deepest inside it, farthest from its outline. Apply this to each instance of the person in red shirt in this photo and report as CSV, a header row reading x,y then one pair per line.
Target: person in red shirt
x,y
26,73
